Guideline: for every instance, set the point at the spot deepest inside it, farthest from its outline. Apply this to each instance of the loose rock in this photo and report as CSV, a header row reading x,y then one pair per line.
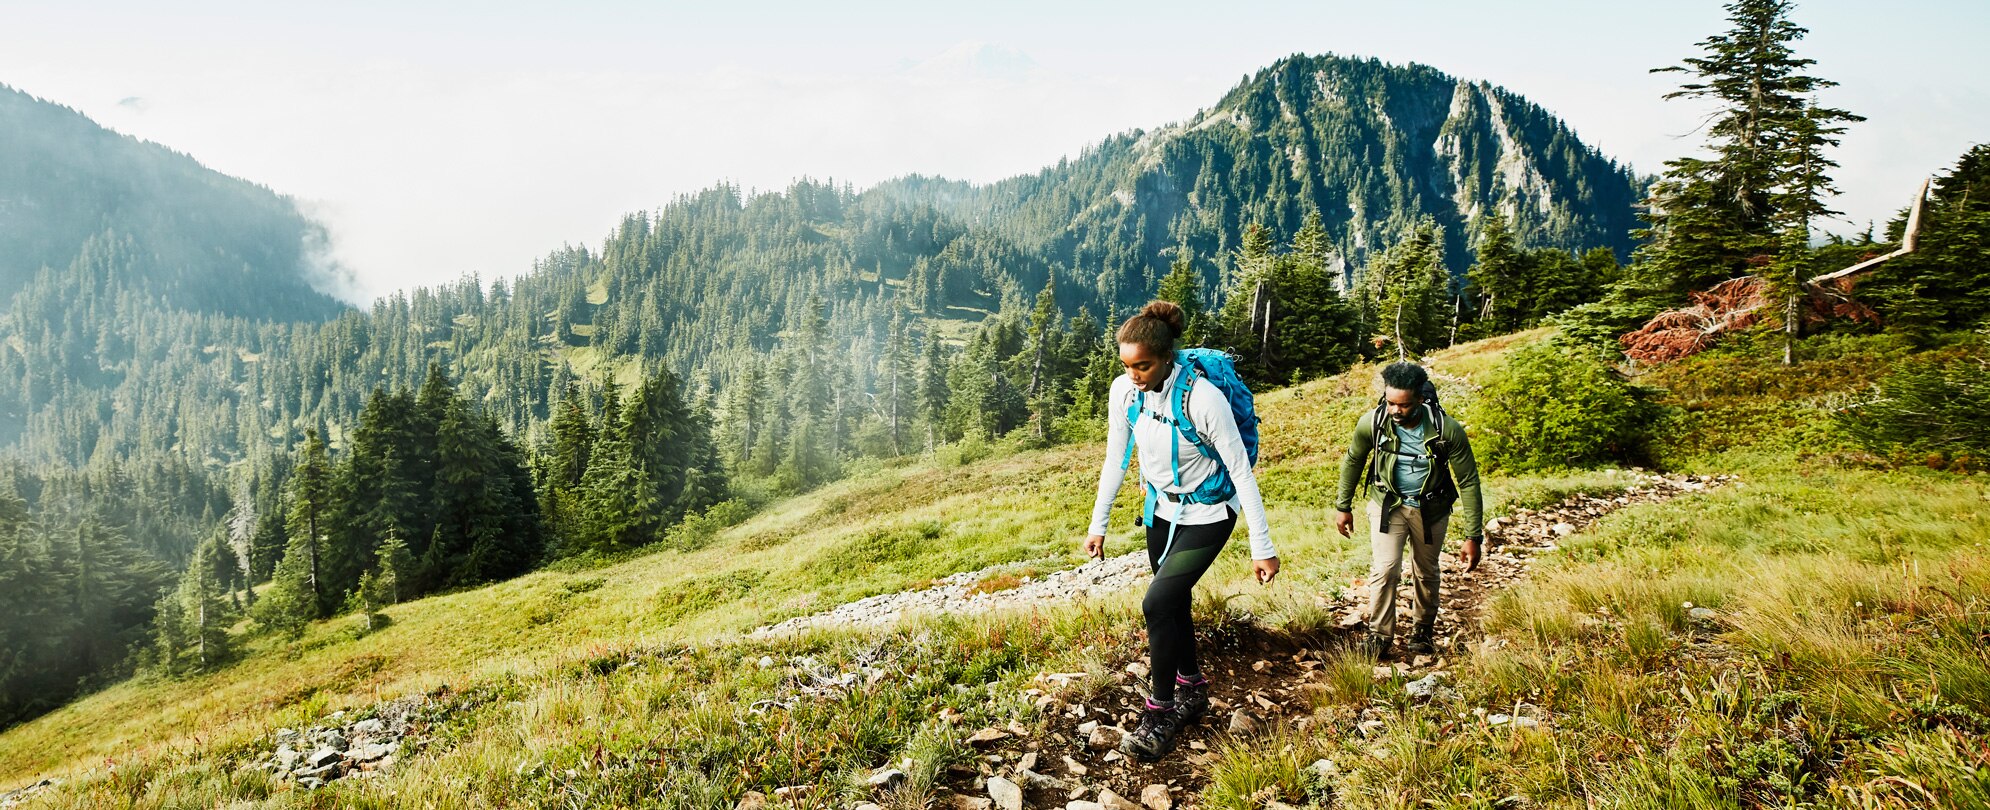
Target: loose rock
x,y
1242,724
1006,794
1113,801
1102,738
887,779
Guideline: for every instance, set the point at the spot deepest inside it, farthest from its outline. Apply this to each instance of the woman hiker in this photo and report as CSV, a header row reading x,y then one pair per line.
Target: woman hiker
x,y
1183,536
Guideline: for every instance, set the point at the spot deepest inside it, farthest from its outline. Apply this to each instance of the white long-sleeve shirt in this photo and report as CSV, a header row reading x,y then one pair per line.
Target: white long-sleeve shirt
x,y
1209,412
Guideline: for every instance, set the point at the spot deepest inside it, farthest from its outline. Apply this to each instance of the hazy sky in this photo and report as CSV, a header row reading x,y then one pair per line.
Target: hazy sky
x,y
442,140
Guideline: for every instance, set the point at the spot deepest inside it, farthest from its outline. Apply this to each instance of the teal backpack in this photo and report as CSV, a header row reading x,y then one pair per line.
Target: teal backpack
x,y
1218,368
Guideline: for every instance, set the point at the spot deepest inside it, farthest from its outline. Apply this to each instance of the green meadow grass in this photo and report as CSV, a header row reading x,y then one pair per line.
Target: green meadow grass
x,y
1845,667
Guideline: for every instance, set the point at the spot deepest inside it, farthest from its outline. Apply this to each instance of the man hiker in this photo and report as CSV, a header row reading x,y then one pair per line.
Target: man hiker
x,y
1196,465
1418,463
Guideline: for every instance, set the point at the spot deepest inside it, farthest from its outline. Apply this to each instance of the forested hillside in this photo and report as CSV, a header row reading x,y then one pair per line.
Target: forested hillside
x,y
705,357
192,239
712,277
1373,148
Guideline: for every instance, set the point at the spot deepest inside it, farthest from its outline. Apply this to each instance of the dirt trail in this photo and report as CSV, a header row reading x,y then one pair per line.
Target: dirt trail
x,y
1260,675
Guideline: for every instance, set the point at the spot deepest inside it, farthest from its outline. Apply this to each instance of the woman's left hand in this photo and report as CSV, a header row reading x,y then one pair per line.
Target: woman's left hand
x,y
1265,569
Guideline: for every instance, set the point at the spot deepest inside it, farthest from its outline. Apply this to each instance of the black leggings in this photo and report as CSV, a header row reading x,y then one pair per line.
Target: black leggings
x,y
1170,627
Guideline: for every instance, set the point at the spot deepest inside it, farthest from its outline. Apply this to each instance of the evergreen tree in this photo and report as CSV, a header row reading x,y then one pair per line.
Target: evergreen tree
x,y
1945,282
1498,277
1044,392
394,566
900,385
933,390
1709,218
310,509
621,507
190,624
1801,186
1407,289
1182,285
288,605
372,595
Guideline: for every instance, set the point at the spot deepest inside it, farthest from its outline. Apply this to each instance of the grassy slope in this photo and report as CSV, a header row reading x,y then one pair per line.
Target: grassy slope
x,y
1847,648
852,539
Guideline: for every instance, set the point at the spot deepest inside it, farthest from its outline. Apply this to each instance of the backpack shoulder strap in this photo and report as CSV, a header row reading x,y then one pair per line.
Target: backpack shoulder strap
x,y
1186,385
1440,447
1132,419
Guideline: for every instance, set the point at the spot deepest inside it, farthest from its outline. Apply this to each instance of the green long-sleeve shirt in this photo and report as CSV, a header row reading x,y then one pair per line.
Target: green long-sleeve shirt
x,y
1363,458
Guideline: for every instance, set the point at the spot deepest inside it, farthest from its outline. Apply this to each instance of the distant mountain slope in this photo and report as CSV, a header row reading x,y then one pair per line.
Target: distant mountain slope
x,y
199,240
1372,146
712,280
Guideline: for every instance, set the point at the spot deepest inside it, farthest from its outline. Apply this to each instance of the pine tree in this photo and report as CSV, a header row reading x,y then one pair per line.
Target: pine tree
x,y
1945,282
1801,186
1247,310
1407,288
619,496
288,606
1710,217
241,526
372,595
394,566
899,384
1182,285
190,626
933,389
1044,390
1499,277
310,507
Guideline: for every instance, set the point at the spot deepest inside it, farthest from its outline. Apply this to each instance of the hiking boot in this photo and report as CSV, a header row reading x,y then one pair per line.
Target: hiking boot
x,y
1192,699
1378,646
1155,736
1421,642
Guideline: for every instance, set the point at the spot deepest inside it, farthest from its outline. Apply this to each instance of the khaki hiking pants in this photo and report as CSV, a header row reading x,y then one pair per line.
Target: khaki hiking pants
x,y
1385,574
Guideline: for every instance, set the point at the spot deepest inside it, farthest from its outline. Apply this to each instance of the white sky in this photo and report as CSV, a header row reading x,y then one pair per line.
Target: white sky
x,y
437,141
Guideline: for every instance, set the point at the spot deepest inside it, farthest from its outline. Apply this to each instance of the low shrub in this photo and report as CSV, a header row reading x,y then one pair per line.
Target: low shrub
x,y
1554,407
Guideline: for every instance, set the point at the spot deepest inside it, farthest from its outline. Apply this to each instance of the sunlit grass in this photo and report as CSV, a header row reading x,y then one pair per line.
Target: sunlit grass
x,y
1843,664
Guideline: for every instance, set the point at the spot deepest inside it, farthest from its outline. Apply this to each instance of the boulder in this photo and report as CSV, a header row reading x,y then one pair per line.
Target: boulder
x,y
1103,738
369,753
987,736
1007,795
1242,724
1425,687
329,770
1113,801
1155,797
887,779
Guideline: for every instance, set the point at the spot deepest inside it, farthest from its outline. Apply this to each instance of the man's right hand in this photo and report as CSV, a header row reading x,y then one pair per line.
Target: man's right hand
x,y
1344,523
1095,546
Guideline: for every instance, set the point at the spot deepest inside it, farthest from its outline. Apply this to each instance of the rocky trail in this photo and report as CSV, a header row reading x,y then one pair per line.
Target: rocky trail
x,y
1262,678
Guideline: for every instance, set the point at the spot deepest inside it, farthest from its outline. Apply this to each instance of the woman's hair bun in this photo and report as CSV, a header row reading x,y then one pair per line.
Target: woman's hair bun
x,y
1167,312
